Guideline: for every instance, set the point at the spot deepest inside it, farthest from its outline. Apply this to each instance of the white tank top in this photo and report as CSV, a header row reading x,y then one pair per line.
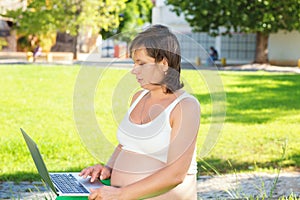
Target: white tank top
x,y
152,138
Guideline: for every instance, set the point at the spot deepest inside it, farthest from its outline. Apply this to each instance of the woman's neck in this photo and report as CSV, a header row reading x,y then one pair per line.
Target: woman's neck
x,y
160,94
157,93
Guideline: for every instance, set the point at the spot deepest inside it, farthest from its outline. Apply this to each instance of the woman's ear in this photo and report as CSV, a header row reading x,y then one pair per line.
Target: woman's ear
x,y
165,64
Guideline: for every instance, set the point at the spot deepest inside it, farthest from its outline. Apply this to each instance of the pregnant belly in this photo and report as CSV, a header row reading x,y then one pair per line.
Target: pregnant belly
x,y
130,167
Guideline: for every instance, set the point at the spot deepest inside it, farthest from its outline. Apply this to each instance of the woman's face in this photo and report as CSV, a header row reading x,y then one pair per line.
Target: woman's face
x,y
146,70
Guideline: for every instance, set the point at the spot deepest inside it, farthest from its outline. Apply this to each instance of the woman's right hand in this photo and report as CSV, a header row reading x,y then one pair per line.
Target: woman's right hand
x,y
96,171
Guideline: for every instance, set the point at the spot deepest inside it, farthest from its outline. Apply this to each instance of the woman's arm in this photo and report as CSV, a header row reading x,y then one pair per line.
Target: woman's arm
x,y
185,120
113,157
110,163
104,172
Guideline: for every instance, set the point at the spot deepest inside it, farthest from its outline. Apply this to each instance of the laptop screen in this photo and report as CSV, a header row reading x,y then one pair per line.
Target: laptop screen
x,y
38,160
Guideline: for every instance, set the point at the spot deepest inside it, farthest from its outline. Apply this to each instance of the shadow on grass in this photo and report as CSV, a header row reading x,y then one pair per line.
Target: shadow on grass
x,y
29,176
212,166
255,97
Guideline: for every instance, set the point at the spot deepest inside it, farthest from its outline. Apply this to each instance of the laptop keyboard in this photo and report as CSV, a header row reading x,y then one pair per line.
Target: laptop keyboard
x,y
67,183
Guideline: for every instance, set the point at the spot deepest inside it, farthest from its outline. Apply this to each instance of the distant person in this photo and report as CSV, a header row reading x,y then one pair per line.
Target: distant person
x,y
37,52
213,56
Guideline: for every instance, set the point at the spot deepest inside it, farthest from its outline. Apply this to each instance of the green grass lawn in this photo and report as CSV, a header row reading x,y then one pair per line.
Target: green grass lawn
x,y
262,114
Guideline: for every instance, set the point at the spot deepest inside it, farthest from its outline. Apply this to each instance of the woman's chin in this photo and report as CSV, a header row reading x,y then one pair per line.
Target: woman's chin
x,y
145,85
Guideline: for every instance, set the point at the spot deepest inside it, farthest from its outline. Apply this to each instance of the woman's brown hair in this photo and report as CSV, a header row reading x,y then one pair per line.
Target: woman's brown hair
x,y
160,43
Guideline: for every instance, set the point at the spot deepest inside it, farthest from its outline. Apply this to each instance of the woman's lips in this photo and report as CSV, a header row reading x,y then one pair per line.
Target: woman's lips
x,y
139,79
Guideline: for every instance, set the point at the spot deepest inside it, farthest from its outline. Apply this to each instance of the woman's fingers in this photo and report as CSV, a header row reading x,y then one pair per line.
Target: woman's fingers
x,y
93,171
95,174
85,172
105,173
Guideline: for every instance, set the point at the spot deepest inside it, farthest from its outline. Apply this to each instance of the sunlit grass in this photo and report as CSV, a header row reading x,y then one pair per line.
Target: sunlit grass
x,y
262,111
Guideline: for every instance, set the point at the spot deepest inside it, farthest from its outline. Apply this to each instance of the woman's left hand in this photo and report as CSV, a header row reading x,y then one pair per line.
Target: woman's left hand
x,y
105,193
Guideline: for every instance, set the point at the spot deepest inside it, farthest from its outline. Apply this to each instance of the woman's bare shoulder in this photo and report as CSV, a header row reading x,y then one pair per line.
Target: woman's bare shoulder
x,y
189,105
135,96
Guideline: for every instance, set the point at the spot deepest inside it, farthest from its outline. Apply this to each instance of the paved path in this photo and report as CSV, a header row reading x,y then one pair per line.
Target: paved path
x,y
127,63
262,67
228,186
240,186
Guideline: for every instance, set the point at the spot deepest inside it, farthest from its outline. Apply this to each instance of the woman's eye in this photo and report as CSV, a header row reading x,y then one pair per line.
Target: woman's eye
x,y
141,64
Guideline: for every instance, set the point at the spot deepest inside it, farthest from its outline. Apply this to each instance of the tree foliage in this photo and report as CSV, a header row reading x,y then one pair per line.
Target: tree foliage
x,y
44,16
134,16
266,16
248,16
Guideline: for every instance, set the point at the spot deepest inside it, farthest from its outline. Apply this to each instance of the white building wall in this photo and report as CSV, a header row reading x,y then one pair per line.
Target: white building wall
x,y
284,48
190,48
161,14
196,45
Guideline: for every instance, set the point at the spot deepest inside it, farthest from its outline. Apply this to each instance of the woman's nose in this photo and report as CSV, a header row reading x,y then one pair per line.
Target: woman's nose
x,y
135,69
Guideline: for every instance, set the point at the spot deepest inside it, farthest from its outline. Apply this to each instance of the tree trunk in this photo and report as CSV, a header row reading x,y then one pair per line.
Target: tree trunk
x,y
64,43
78,5
75,47
261,54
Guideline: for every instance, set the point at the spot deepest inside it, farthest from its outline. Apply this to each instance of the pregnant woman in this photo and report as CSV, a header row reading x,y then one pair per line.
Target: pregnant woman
x,y
156,154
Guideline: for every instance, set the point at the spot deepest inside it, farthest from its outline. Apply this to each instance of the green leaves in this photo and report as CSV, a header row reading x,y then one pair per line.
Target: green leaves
x,y
134,16
42,17
267,16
